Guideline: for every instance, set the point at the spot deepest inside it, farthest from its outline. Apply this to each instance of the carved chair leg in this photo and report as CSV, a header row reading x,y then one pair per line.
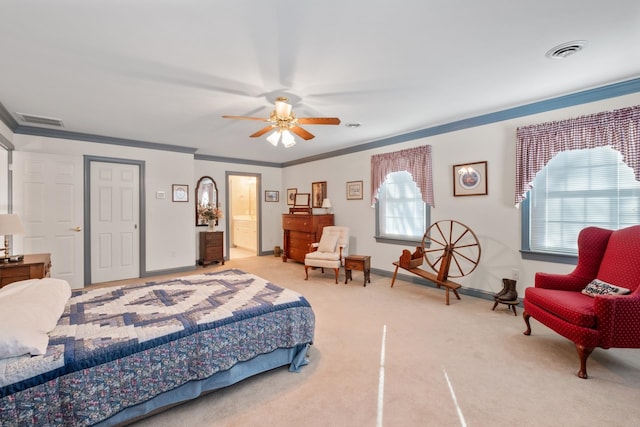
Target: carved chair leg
x,y
583,353
526,317
337,270
306,272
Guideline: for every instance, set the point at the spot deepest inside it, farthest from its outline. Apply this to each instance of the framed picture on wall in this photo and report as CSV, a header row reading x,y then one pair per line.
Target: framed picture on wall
x,y
470,179
318,193
180,193
354,190
271,196
291,196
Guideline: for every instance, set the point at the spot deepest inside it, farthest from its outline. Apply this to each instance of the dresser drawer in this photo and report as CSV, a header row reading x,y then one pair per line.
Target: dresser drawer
x,y
300,223
213,238
297,254
301,240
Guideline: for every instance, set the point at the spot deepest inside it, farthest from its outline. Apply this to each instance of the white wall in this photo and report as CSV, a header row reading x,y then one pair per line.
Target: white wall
x,y
171,232
271,179
493,217
169,225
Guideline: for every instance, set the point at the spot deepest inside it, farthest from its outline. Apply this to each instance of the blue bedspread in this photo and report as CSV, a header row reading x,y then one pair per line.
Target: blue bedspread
x,y
117,347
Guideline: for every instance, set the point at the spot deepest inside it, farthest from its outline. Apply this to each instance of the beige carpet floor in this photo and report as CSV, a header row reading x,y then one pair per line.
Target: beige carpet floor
x,y
455,365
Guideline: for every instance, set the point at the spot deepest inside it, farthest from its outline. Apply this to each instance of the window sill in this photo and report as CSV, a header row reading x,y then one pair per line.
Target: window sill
x,y
549,257
397,241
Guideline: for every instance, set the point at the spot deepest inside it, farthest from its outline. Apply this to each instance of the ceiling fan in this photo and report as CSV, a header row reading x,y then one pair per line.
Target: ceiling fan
x,y
283,121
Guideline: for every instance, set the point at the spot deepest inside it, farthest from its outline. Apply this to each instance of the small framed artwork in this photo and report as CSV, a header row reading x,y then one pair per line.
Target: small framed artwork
x,y
291,196
354,190
318,193
470,179
180,192
271,196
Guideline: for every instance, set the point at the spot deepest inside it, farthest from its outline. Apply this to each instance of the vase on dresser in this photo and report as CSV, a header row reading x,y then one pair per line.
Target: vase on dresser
x,y
212,226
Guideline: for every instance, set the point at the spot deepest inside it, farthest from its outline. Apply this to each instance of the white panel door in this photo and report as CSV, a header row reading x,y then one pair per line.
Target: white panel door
x,y
47,195
115,211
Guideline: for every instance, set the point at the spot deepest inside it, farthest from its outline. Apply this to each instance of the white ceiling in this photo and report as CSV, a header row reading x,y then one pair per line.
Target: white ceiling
x,y
166,71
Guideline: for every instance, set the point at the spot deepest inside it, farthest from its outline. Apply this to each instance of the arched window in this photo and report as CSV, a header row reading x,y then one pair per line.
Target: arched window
x,y
402,215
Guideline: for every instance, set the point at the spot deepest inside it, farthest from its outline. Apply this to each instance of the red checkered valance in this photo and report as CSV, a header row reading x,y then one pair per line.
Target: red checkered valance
x,y
416,161
537,144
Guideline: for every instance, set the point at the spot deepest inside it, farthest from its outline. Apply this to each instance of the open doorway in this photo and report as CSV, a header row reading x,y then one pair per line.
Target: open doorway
x,y
244,214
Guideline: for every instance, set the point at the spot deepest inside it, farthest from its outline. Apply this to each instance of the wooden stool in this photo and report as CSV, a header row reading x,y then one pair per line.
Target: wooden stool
x,y
508,303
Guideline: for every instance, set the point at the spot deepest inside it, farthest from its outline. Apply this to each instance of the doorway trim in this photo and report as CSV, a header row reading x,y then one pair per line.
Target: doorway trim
x,y
227,203
142,270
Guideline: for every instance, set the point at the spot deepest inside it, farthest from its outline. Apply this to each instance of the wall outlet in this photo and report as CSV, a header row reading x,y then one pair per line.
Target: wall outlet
x,y
515,274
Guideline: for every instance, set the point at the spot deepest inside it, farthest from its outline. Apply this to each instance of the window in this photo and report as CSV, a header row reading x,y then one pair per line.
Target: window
x,y
402,216
576,189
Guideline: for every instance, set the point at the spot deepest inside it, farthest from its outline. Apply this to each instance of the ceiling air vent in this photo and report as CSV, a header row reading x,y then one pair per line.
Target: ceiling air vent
x,y
566,49
40,120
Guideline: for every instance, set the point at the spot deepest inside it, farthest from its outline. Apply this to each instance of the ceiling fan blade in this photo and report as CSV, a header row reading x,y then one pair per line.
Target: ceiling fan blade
x,y
301,132
319,120
260,119
261,132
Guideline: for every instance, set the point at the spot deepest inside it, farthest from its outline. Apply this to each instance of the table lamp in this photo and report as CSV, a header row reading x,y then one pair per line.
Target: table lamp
x,y
326,204
10,224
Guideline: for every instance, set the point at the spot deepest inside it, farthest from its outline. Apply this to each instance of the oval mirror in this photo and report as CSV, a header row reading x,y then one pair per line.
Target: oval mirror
x,y
206,199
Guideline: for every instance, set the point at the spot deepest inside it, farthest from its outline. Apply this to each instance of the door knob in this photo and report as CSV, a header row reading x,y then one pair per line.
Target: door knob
x,y
77,229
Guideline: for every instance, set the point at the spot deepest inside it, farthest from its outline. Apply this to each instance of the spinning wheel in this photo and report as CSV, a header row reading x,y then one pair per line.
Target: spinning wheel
x,y
451,249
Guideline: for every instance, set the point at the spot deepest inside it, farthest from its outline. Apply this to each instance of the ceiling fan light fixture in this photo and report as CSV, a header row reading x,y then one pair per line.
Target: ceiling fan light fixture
x,y
287,139
282,121
274,138
282,108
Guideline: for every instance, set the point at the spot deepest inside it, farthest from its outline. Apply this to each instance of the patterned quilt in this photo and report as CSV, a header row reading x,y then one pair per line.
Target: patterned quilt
x,y
120,346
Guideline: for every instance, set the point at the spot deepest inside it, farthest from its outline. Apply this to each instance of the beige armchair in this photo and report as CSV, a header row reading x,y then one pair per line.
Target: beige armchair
x,y
329,252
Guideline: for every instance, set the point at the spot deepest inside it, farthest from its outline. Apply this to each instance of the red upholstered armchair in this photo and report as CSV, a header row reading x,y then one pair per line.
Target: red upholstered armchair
x,y
605,321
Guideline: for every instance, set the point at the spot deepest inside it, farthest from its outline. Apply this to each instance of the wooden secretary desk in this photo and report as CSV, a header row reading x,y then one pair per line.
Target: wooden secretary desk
x,y
34,266
300,231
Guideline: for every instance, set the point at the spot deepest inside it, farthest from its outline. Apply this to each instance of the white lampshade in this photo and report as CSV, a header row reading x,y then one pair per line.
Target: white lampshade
x,y
287,139
326,203
283,109
10,224
274,138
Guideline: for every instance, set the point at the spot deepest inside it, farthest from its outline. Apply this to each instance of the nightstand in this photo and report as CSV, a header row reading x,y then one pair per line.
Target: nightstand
x,y
211,247
34,266
360,263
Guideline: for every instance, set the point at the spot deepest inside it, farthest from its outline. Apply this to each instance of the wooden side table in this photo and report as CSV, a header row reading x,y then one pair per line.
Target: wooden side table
x,y
211,247
33,266
360,263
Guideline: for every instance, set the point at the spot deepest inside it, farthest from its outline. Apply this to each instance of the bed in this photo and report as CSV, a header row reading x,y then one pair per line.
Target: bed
x,y
119,353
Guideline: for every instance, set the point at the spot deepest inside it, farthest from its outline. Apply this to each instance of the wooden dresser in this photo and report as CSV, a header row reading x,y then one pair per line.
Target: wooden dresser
x,y
34,266
211,247
300,230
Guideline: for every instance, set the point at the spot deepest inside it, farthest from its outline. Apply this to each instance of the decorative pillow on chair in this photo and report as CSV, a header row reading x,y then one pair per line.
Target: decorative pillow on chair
x,y
598,287
328,242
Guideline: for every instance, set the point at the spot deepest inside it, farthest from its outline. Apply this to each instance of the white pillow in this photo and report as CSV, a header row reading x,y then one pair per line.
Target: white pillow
x,y
29,310
598,287
328,242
